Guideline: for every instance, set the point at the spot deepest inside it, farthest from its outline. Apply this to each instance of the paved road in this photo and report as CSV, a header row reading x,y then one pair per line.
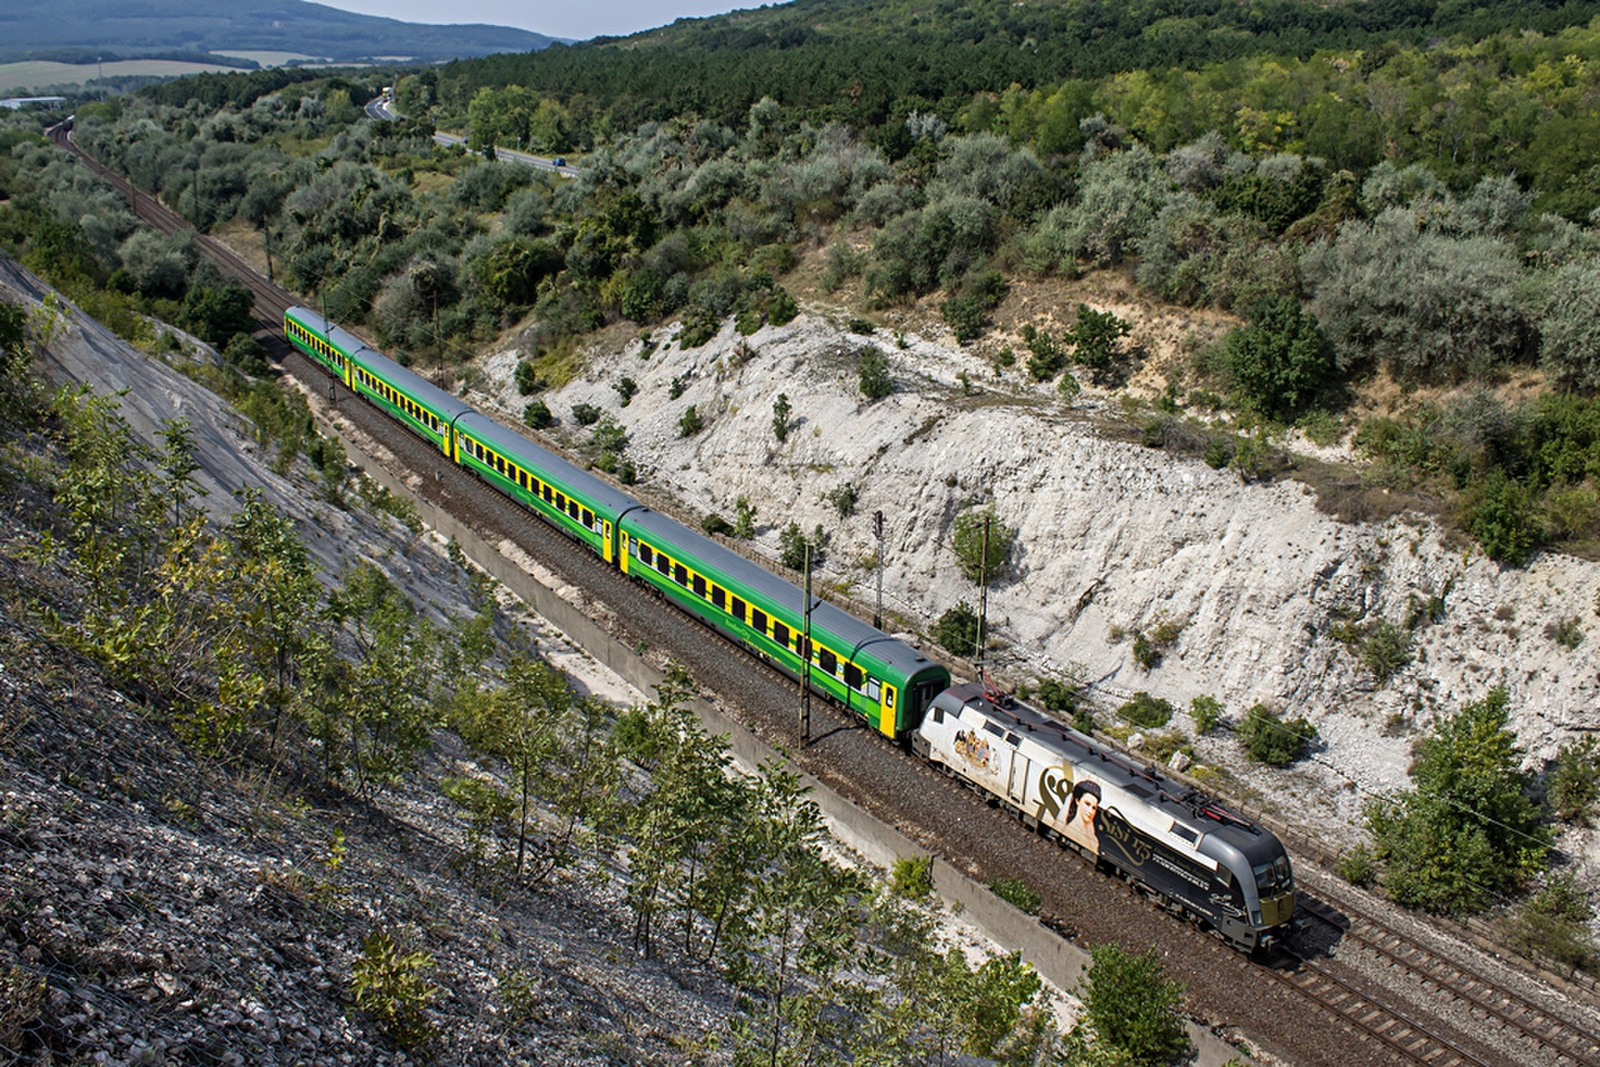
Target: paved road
x,y
379,111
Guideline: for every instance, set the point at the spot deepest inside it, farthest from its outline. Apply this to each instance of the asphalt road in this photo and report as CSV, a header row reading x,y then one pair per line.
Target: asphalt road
x,y
378,111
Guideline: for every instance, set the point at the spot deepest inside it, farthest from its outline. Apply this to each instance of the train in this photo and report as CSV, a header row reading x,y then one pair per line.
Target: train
x,y
1215,868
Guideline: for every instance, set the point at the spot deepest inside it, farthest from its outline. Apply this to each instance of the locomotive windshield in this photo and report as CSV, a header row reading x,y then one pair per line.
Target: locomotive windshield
x,y
1274,877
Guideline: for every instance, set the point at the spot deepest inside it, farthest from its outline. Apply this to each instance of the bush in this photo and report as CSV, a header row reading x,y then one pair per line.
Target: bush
x,y
912,877
388,985
1385,649
794,545
248,354
1504,521
1146,712
536,415
1269,738
957,629
873,375
585,414
1206,711
744,518
1017,893
1554,924
843,497
1097,338
716,524
691,423
526,377
1280,363
1058,696
1357,866
626,389
1574,785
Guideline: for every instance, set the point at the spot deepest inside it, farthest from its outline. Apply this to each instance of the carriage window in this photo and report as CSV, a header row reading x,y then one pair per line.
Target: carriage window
x,y
699,586
680,574
938,714
663,564
561,501
547,493
642,550
874,690
736,608
574,508
780,634
992,728
827,660
719,598
758,619
853,676
588,517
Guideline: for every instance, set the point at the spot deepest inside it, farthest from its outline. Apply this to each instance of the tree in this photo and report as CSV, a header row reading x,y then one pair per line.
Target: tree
x,y
957,629
794,548
1130,1012
1280,362
215,314
1097,337
981,543
1468,831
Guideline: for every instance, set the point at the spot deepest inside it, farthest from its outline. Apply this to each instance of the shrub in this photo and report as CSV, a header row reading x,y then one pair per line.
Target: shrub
x,y
626,388
536,415
957,629
691,423
246,353
780,417
744,518
843,497
1206,712
526,377
1058,696
793,546
1280,362
388,985
1146,712
1269,738
1097,338
912,877
1574,785
716,524
1566,632
1503,520
585,414
1357,866
1554,924
1017,893
873,375
1385,649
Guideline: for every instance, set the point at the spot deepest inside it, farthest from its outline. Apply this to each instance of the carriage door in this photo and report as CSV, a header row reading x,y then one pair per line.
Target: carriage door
x,y
607,549
1017,789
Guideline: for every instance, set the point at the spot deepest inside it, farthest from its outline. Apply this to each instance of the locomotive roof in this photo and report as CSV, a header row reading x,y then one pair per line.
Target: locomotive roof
x,y
579,481
413,385
1183,803
858,635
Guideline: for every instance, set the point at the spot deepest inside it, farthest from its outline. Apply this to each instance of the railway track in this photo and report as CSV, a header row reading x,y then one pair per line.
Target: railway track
x,y
1503,1008
1375,1025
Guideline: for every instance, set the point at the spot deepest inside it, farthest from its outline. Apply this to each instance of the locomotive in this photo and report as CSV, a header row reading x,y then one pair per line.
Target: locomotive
x,y
1207,864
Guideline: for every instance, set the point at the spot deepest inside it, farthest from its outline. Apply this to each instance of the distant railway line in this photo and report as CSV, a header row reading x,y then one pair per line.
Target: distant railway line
x,y
1353,989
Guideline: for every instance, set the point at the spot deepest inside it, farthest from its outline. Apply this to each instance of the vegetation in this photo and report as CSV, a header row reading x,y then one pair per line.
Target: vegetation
x,y
1467,832
1271,739
1146,712
957,630
982,543
1130,1012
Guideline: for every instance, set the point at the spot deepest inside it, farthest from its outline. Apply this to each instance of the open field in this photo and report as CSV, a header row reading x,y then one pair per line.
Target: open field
x,y
265,58
34,74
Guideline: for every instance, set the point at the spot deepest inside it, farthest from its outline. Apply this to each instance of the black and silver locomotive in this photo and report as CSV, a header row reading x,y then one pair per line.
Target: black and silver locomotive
x,y
1212,866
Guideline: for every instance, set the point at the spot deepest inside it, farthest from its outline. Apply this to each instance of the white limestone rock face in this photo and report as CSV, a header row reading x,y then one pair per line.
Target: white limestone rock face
x,y
1112,537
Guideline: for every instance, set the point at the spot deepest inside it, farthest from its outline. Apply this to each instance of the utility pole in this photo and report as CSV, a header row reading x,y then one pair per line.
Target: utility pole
x,y
877,530
983,600
805,661
266,241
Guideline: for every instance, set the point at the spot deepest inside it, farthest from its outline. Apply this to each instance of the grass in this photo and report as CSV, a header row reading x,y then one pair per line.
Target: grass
x,y
39,74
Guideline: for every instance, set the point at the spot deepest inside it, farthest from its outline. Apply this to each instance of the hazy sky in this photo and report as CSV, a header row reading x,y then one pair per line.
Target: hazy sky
x,y
575,18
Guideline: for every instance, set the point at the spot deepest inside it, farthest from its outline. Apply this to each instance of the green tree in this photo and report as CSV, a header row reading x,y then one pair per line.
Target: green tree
x,y
1468,831
957,629
378,713
1130,1012
216,313
744,518
1280,362
794,548
1097,337
982,543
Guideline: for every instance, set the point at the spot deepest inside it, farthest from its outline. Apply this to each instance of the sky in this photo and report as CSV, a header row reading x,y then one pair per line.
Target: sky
x,y
577,19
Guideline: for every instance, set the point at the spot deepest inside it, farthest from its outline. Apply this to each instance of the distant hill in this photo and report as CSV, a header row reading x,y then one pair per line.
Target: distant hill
x,y
136,28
